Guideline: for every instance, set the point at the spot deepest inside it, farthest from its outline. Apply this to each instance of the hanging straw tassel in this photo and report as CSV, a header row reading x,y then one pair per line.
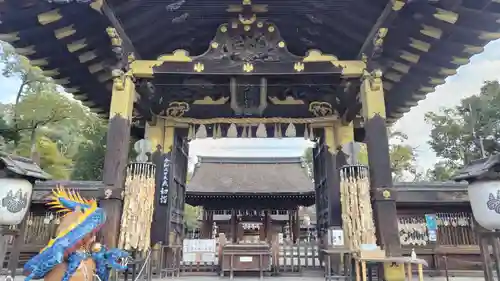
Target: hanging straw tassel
x,y
306,132
275,131
244,132
190,132
202,132
311,133
249,131
232,132
261,131
280,135
290,131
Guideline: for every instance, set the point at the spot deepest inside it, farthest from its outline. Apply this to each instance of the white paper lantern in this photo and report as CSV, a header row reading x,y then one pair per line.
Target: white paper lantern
x,y
15,197
484,199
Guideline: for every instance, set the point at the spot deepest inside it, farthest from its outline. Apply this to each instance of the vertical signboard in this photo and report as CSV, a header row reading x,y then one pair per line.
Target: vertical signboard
x,y
165,181
160,228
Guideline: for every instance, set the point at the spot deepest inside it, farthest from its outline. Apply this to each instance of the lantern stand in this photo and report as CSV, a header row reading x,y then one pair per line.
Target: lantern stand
x,y
17,178
483,176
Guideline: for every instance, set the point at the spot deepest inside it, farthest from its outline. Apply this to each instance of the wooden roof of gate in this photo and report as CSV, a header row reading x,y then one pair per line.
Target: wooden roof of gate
x,y
250,176
426,40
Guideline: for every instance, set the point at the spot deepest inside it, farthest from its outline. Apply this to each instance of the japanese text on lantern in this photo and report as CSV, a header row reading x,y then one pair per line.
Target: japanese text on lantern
x,y
165,182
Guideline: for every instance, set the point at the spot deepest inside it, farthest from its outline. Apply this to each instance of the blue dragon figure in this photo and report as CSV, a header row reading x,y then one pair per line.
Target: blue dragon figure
x,y
108,259
69,244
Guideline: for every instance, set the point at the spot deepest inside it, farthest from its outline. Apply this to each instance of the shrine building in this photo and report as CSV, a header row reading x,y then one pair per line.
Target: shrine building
x,y
251,199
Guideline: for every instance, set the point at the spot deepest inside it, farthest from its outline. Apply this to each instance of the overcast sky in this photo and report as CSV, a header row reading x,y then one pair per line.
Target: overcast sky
x,y
485,66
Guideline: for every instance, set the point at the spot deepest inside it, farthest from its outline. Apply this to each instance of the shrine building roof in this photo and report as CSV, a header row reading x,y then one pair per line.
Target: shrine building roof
x,y
426,41
250,176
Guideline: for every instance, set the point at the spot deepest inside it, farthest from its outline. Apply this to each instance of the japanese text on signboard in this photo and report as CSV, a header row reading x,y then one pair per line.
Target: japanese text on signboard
x,y
165,184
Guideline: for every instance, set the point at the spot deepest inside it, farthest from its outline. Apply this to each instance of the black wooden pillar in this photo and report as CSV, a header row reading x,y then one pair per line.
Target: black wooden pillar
x,y
171,174
180,158
377,141
326,182
116,157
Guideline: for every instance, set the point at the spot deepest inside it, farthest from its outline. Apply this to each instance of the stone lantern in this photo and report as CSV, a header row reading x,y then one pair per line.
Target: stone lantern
x,y
17,177
483,177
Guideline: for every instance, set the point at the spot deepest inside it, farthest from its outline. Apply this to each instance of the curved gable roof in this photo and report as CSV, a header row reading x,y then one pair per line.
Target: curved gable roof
x,y
250,176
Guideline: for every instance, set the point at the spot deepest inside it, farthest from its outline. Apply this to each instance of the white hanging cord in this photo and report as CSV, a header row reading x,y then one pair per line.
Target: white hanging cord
x,y
146,262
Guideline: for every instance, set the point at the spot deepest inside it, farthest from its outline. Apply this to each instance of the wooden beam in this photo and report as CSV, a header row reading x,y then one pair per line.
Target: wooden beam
x,y
87,189
128,46
388,14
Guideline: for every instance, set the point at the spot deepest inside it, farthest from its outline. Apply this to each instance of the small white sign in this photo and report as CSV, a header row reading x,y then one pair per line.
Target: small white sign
x,y
199,250
336,237
246,259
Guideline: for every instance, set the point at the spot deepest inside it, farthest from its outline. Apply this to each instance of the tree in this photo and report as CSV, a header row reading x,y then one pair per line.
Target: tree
x,y
442,171
8,133
308,159
402,157
191,213
51,160
17,66
44,105
89,160
457,132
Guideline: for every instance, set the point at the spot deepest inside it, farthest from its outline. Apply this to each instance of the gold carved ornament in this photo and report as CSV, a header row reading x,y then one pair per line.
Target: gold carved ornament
x,y
177,109
298,66
321,108
116,41
374,79
386,194
199,67
248,67
119,77
378,41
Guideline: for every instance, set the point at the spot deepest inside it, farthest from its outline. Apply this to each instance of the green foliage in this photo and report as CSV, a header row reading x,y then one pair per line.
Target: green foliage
x,y
19,67
191,215
442,171
44,106
308,159
7,132
402,157
456,131
51,160
42,119
89,160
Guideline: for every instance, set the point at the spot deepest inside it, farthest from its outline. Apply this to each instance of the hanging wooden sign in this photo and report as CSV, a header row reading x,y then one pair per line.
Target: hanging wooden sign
x,y
165,183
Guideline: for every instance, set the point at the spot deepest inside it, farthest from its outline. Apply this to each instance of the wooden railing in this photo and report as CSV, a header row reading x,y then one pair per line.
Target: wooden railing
x,y
292,258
